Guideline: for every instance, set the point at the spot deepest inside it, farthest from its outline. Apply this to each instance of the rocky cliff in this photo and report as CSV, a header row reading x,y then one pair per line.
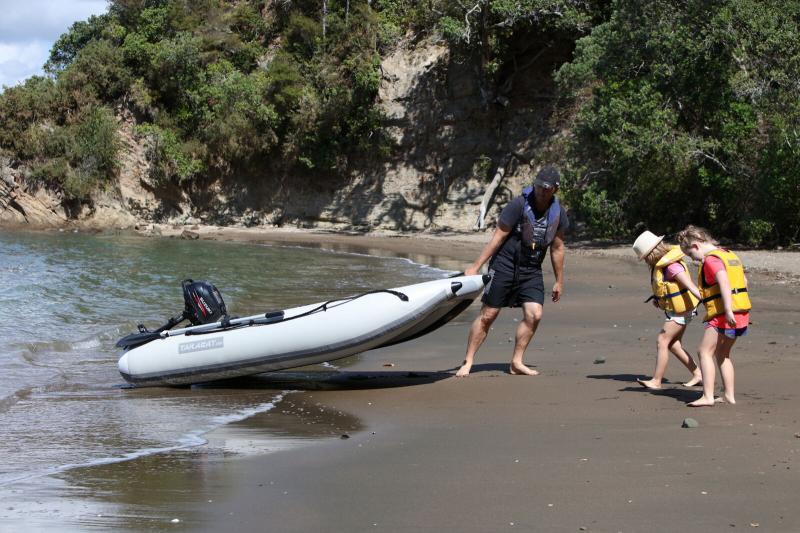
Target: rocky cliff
x,y
450,134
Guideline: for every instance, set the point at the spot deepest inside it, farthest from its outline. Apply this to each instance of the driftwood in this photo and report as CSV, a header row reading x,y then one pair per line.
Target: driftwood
x,y
487,196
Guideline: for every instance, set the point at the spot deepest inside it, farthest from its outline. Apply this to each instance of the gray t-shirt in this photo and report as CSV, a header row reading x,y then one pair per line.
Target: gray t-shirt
x,y
512,255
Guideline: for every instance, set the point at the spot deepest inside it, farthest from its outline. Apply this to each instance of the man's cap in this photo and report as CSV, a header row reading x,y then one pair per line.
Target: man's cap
x,y
548,178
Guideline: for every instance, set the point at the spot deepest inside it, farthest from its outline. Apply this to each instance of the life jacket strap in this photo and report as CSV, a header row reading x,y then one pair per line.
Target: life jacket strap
x,y
674,294
719,295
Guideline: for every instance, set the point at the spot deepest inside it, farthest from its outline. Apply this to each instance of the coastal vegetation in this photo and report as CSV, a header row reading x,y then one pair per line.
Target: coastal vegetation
x,y
677,110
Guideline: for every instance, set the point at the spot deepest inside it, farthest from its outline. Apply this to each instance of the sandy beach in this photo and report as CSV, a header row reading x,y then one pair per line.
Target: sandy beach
x,y
581,447
392,441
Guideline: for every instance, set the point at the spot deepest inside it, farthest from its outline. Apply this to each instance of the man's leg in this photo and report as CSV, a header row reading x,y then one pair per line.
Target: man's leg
x,y
532,315
477,334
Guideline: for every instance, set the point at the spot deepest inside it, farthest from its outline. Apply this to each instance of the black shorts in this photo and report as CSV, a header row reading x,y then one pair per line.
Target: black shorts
x,y
505,291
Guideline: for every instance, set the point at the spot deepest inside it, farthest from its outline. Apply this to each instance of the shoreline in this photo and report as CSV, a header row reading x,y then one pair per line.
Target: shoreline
x,y
783,265
581,447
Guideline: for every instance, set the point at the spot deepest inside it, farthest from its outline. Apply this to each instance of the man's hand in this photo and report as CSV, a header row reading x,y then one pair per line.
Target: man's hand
x,y
471,271
556,291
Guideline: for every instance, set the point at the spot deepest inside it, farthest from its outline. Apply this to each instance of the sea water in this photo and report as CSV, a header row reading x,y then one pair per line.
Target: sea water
x,y
66,298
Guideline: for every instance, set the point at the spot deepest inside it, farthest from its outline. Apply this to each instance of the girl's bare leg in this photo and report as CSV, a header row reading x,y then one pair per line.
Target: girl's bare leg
x,y
683,356
708,368
723,356
669,335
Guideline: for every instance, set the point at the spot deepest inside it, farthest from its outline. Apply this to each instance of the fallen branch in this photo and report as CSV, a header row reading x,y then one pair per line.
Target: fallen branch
x,y
489,193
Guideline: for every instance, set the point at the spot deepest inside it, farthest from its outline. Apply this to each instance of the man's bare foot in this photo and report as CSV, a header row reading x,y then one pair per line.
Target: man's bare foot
x,y
518,369
702,402
464,370
649,384
697,379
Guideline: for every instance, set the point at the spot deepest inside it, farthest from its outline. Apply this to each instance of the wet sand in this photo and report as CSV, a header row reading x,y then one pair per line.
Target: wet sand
x,y
409,447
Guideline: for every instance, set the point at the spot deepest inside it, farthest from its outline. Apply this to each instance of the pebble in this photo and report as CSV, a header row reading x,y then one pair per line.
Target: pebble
x,y
690,423
175,520
345,436
599,360
388,364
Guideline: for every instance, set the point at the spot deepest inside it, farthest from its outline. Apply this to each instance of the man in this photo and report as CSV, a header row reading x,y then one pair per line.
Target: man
x,y
527,227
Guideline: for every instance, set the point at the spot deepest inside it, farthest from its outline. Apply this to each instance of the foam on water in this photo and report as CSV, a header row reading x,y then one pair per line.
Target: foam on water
x,y
191,439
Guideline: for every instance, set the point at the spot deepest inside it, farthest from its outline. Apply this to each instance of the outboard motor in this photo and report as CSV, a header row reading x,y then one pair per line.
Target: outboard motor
x,y
204,303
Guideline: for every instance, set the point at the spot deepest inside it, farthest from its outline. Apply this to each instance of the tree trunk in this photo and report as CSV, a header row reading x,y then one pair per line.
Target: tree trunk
x,y
487,196
324,17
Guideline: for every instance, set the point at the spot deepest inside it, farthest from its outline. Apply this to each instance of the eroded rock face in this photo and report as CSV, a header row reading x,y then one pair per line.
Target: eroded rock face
x,y
449,139
20,205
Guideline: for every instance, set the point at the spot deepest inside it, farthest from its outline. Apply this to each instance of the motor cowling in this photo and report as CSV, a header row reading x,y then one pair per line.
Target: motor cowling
x,y
204,303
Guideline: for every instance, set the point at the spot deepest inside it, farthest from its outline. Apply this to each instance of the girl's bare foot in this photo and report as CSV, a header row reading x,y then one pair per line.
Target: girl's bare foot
x,y
518,369
649,384
702,402
730,399
697,379
464,370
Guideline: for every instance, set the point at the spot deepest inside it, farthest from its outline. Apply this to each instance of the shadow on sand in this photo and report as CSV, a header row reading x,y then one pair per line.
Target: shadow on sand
x,y
343,379
675,391
328,380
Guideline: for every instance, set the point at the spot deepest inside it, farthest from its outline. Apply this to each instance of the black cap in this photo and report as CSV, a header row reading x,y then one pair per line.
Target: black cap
x,y
548,178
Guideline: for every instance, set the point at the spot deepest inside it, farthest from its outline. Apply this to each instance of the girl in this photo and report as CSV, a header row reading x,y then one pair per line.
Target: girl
x,y
723,287
675,294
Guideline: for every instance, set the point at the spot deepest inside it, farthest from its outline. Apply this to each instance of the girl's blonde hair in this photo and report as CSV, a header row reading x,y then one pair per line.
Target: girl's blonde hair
x,y
657,253
693,234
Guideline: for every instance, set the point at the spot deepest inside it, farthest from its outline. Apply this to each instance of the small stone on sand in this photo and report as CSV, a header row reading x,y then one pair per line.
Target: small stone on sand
x,y
345,436
599,360
690,423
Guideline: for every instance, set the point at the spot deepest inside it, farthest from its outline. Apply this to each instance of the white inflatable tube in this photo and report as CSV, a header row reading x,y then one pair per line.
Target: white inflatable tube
x,y
342,328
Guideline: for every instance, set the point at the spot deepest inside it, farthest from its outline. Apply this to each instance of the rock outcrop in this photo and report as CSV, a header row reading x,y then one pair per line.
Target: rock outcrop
x,y
449,140
21,204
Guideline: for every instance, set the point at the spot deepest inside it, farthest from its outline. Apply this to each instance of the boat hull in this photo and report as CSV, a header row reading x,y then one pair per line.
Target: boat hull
x,y
342,329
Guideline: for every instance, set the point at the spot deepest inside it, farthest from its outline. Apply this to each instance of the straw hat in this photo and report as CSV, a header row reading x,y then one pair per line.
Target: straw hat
x,y
645,243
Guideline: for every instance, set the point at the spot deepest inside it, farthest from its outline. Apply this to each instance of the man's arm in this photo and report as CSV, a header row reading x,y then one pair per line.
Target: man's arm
x,y
557,250
498,238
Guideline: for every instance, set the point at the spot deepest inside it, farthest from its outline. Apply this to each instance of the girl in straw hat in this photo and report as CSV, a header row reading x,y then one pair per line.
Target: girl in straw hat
x,y
675,294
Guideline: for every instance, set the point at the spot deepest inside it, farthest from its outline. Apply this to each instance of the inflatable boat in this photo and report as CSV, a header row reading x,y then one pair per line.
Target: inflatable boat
x,y
219,347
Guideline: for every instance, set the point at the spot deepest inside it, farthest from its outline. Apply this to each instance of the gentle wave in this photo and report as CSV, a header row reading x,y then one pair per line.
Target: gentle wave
x,y
191,439
8,401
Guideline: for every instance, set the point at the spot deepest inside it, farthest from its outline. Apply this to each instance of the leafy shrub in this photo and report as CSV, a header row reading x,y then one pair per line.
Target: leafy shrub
x,y
756,231
168,157
96,146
